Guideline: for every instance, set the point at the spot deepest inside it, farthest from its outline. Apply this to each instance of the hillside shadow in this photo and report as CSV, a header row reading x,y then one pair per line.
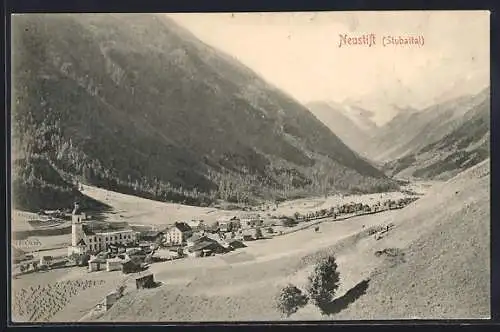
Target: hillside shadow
x,y
348,298
97,209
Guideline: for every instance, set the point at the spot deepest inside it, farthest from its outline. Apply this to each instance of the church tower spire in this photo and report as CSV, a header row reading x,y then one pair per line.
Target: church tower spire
x,y
76,225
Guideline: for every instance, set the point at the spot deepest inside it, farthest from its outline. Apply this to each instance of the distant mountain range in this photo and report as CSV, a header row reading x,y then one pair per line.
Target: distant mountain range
x,y
465,144
412,130
134,103
436,142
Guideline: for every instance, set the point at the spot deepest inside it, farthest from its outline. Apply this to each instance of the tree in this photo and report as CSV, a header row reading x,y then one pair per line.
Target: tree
x,y
288,222
296,216
120,289
159,241
323,282
290,300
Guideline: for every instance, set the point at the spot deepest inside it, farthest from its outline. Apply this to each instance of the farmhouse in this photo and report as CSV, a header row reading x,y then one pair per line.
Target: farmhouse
x,y
150,236
97,236
229,223
251,220
196,238
178,233
206,248
196,224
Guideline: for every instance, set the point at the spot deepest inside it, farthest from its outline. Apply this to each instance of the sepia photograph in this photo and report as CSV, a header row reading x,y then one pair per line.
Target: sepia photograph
x,y
250,166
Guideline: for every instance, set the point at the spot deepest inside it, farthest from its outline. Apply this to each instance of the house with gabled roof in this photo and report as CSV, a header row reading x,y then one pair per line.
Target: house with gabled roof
x,y
251,220
196,224
206,248
178,233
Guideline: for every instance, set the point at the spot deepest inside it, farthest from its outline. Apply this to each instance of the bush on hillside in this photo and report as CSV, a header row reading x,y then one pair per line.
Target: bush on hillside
x,y
290,300
323,282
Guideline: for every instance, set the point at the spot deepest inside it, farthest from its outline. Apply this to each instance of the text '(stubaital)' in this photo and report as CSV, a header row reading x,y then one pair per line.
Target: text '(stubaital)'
x,y
372,40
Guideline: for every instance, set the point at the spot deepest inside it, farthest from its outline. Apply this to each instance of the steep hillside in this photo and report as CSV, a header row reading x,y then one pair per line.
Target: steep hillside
x,y
353,130
443,267
134,103
410,130
460,149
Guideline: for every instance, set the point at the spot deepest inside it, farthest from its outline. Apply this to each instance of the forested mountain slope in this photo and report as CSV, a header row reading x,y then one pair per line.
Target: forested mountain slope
x,y
135,103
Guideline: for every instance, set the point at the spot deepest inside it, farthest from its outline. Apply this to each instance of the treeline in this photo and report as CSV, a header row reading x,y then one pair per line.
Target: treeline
x,y
37,185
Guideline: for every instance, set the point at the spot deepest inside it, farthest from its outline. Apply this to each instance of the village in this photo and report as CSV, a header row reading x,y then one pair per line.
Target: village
x,y
114,246
131,249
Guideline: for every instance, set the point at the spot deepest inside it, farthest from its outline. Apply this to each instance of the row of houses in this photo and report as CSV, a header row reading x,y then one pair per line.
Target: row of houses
x,y
135,259
92,237
351,208
180,232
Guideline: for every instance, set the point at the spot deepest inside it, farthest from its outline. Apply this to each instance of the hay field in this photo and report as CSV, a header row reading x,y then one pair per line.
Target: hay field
x,y
40,303
137,210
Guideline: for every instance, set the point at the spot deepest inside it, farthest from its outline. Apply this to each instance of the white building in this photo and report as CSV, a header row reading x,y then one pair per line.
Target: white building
x,y
178,233
96,236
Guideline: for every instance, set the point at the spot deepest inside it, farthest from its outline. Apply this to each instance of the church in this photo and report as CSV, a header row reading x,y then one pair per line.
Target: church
x,y
92,236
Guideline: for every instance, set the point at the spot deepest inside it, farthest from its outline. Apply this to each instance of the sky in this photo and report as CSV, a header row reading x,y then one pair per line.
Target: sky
x,y
300,54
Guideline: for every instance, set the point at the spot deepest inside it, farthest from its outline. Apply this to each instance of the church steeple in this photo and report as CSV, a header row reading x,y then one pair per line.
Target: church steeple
x,y
76,225
76,209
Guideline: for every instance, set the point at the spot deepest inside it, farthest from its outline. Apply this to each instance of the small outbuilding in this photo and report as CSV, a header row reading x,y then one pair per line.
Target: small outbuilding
x,y
113,264
110,299
96,264
145,281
